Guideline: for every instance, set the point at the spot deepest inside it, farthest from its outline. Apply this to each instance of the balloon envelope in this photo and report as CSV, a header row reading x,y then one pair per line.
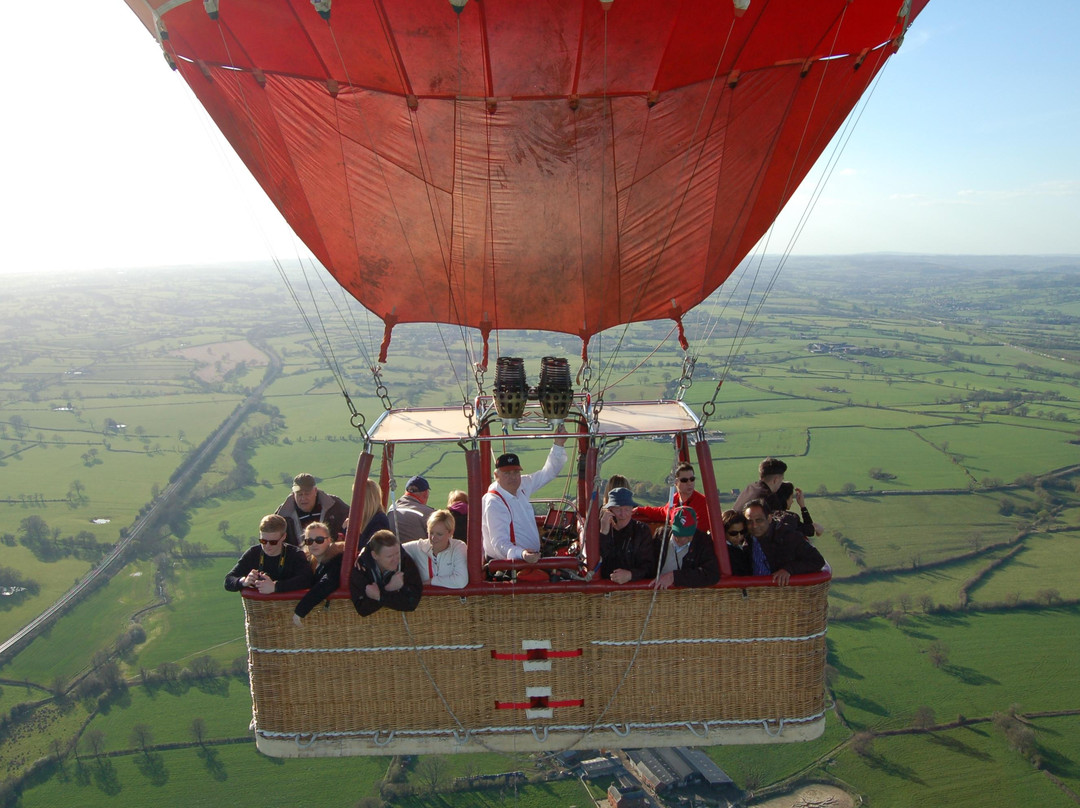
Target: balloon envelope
x,y
552,164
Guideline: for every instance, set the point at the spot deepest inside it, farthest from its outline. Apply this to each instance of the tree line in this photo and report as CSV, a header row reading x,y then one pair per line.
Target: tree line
x,y
48,545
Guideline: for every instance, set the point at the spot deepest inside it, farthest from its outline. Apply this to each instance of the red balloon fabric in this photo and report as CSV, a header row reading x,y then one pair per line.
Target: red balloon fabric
x,y
564,165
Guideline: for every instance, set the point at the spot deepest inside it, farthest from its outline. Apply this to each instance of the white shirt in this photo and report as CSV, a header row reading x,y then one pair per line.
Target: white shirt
x,y
516,508
450,568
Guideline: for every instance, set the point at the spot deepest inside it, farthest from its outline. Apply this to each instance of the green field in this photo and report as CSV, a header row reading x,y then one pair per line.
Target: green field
x,y
199,777
954,768
937,458
994,660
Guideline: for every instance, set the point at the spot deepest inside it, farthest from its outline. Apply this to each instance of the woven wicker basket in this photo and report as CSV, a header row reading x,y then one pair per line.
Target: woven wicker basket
x,y
530,672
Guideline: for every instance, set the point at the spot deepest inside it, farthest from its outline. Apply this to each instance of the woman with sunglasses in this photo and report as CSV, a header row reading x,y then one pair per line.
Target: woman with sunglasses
x,y
324,558
739,547
271,565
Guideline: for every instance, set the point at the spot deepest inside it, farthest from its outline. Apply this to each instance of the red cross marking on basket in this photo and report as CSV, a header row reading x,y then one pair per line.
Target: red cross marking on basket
x,y
538,703
534,654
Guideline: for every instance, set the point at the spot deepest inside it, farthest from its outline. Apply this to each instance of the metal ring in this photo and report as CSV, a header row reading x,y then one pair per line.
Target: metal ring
x,y
389,738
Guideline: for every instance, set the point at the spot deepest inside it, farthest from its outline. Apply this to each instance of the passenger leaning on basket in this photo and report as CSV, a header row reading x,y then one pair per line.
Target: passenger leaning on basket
x,y
687,558
627,549
307,504
684,495
441,559
384,576
779,549
324,558
271,565
509,525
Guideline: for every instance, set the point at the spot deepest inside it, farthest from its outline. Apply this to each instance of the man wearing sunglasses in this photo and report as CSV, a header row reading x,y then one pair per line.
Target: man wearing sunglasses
x,y
271,565
684,495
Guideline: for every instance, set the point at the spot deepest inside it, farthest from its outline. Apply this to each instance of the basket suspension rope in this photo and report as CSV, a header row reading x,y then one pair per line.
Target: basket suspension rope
x,y
691,162
422,160
840,143
325,347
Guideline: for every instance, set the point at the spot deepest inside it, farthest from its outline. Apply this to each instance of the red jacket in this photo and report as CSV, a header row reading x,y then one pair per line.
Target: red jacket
x,y
663,514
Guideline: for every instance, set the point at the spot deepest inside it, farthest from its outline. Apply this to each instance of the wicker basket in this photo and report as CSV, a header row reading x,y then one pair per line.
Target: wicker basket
x,y
526,672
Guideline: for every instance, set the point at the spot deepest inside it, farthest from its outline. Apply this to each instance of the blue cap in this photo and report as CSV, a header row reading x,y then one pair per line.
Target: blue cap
x,y
619,497
417,484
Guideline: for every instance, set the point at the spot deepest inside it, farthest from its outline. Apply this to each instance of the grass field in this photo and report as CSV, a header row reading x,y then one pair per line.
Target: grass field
x,y
908,531
66,648
55,578
223,704
778,761
202,778
201,619
1037,568
30,741
928,394
560,792
993,661
1059,745
942,584
961,767
838,456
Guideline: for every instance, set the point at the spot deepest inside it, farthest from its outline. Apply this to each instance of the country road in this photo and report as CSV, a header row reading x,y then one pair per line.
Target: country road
x,y
112,562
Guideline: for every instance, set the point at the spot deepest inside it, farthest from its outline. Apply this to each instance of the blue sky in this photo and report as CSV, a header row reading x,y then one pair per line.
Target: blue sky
x,y
966,146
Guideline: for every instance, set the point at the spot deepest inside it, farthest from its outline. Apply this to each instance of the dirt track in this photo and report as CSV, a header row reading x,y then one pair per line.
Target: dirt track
x,y
816,796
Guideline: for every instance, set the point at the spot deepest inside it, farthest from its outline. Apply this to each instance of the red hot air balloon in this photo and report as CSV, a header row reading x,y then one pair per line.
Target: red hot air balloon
x,y
567,165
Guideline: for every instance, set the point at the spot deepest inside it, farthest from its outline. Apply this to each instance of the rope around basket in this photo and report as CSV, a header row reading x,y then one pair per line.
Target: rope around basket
x,y
383,738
